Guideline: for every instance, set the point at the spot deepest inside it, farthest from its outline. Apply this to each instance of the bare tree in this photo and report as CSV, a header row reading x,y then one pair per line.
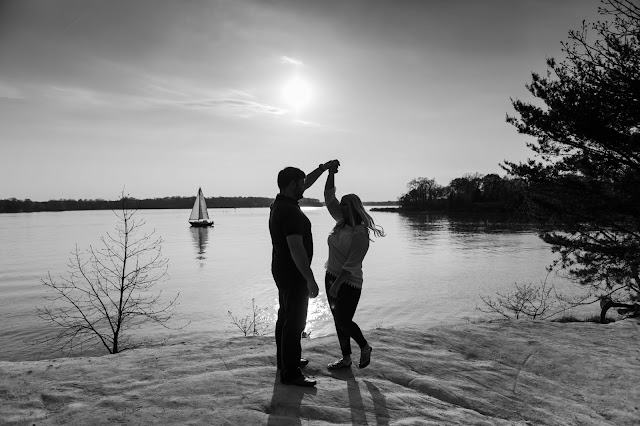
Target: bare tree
x,y
254,324
533,301
108,290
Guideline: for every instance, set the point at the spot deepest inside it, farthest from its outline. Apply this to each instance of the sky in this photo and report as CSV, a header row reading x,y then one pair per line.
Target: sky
x,y
162,97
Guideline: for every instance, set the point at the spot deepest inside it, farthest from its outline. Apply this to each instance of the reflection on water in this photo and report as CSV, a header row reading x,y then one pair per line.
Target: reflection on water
x,y
429,269
449,233
200,238
418,227
487,225
423,224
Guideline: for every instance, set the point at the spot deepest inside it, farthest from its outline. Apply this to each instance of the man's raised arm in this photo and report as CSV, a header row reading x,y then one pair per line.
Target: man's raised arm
x,y
314,175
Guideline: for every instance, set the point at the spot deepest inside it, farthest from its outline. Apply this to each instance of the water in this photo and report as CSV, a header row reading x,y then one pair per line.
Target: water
x,y
428,270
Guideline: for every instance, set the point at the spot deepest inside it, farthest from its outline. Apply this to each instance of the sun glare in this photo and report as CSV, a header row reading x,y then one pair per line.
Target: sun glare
x,y
297,93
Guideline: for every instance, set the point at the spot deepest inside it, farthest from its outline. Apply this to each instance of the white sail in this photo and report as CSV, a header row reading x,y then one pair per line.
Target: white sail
x,y
199,210
203,207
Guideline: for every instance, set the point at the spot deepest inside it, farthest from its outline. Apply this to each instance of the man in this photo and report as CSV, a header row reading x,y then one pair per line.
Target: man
x,y
291,268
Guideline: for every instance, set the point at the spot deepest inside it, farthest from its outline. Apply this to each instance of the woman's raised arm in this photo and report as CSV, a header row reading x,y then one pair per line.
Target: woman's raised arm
x,y
330,196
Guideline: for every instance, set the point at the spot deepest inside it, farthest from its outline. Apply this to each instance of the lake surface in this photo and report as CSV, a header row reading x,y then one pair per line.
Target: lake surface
x,y
428,270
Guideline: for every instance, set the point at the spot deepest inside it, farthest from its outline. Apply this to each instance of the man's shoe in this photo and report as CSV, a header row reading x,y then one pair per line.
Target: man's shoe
x,y
300,381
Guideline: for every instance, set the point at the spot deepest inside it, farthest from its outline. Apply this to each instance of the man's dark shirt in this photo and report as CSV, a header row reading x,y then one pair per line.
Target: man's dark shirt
x,y
285,219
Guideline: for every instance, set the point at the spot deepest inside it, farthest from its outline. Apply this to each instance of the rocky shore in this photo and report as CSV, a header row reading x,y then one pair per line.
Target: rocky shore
x,y
496,373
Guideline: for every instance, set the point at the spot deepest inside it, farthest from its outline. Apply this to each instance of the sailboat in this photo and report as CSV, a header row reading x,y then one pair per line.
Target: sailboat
x,y
199,216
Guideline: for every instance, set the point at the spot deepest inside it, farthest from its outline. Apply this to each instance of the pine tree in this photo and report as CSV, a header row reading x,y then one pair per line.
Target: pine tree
x,y
584,178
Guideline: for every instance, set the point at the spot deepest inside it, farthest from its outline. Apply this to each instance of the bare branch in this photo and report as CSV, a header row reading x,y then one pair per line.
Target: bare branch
x,y
108,291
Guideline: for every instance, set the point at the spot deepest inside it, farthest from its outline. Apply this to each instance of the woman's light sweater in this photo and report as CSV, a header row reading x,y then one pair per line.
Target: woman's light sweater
x,y
347,244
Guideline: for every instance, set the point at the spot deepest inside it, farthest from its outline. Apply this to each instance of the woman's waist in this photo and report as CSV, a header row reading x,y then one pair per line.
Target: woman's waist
x,y
354,279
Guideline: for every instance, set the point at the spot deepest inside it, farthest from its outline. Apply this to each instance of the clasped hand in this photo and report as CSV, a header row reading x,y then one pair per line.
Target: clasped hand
x,y
332,166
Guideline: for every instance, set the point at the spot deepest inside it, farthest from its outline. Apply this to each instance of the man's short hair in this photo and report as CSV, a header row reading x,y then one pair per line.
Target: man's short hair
x,y
289,174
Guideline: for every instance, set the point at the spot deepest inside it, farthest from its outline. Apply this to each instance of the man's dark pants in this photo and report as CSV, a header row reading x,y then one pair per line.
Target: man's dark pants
x,y
293,297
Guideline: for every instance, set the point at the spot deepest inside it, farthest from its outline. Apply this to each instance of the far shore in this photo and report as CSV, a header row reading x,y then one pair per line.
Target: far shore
x,y
503,372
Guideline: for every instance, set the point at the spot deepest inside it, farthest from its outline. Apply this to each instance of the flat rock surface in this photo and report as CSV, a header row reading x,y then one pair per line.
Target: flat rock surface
x,y
497,373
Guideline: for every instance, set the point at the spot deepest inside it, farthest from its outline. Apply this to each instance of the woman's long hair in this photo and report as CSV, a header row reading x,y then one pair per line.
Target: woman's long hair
x,y
358,216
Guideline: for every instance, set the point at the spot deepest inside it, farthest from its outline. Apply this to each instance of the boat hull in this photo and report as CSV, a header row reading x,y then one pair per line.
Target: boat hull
x,y
201,224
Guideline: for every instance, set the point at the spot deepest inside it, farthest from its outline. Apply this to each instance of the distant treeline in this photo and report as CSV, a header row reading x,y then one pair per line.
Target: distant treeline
x,y
380,203
469,193
13,205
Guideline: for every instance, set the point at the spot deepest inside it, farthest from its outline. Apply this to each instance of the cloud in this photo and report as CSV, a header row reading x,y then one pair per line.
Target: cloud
x,y
233,103
237,107
307,123
185,94
290,60
79,97
9,92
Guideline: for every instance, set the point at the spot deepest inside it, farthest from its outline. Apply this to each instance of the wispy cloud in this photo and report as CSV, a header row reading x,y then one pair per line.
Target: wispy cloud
x,y
79,97
9,92
237,107
231,102
290,60
234,103
76,96
307,123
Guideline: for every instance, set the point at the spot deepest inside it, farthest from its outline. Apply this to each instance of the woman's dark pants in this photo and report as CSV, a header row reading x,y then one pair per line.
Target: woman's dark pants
x,y
343,309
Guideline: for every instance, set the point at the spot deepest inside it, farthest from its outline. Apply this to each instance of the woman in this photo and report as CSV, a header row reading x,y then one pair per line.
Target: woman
x,y
348,244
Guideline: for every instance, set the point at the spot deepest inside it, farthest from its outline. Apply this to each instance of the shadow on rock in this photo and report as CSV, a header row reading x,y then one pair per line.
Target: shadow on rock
x,y
286,402
358,411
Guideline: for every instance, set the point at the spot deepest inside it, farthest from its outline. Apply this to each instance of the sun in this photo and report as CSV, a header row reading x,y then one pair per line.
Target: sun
x,y
297,93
